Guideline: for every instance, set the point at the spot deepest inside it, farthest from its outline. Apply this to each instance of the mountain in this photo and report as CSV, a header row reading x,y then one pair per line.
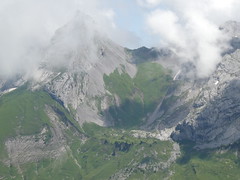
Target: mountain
x,y
78,81
96,110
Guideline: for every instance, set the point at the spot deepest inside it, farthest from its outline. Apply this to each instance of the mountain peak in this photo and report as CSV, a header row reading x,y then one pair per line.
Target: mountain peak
x,y
79,40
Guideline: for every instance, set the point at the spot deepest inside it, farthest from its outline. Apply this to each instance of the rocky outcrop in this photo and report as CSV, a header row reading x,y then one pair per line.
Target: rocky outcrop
x,y
49,143
214,116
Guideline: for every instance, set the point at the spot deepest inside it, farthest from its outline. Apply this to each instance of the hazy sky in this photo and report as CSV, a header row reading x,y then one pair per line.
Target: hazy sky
x,y
189,27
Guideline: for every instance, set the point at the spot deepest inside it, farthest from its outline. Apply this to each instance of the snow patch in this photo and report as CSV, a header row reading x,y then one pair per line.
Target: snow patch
x,y
175,77
8,90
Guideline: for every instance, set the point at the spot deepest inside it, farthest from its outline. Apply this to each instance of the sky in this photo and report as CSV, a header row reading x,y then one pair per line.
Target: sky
x,y
189,28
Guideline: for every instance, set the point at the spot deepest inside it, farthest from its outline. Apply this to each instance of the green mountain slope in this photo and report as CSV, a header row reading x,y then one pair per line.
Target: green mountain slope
x,y
222,163
22,113
91,152
139,95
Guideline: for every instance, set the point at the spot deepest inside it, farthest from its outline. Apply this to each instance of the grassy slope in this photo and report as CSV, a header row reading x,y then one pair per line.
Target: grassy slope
x,y
105,152
153,80
22,113
207,164
139,95
101,156
110,150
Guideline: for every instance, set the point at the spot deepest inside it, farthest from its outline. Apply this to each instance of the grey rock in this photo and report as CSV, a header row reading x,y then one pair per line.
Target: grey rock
x,y
231,27
213,119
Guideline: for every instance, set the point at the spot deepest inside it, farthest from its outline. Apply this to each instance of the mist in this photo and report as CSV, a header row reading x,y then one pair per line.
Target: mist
x,y
28,26
191,28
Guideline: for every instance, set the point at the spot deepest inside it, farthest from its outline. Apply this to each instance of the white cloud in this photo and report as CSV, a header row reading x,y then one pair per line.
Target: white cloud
x,y
28,25
26,28
166,24
191,29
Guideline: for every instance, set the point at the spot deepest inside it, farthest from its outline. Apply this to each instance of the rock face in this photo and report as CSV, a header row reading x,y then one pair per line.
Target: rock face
x,y
213,119
205,111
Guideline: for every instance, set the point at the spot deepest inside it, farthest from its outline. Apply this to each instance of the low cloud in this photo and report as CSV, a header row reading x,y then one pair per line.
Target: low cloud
x,y
191,29
27,27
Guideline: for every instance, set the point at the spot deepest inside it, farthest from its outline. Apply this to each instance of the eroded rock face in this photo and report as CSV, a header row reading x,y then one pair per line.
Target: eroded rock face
x,y
214,117
25,149
218,122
